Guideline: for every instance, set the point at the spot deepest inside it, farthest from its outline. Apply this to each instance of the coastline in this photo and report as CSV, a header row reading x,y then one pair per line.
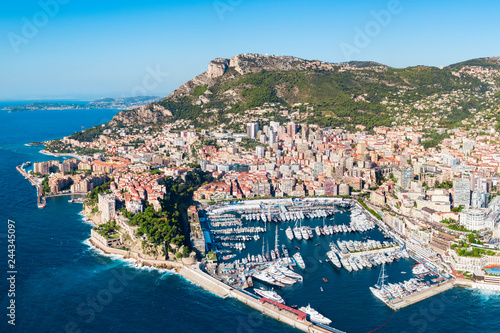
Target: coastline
x,y
43,151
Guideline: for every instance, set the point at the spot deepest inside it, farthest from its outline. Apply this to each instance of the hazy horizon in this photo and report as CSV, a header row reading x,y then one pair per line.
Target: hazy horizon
x,y
61,49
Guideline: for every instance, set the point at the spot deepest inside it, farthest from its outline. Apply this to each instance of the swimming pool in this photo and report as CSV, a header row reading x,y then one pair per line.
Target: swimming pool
x,y
493,270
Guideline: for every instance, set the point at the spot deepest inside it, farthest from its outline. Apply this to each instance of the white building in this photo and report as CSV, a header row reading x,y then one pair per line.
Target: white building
x,y
134,206
465,264
479,199
252,129
106,206
461,196
260,151
475,219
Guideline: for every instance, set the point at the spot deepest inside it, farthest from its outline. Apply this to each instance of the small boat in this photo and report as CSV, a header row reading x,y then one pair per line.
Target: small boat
x,y
325,280
321,288
299,260
403,272
298,248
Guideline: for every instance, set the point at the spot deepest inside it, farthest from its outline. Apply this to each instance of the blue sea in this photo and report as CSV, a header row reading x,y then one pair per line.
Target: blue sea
x,y
63,285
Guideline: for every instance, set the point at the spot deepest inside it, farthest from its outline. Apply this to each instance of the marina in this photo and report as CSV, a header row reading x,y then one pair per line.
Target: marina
x,y
295,245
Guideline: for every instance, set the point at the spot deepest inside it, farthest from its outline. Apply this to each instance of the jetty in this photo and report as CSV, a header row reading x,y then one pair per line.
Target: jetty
x,y
280,312
399,303
40,199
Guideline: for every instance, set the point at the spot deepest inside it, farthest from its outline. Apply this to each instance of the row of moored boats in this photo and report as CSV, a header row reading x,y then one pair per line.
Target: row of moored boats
x,y
288,216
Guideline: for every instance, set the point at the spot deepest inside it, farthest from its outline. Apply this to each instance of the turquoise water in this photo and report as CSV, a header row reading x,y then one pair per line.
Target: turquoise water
x,y
494,270
63,285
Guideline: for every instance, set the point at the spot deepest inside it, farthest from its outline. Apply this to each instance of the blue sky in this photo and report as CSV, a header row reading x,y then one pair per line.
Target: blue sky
x,y
86,49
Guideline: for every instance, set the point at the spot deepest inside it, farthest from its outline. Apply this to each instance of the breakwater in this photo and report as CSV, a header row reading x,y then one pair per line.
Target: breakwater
x,y
281,313
40,199
420,296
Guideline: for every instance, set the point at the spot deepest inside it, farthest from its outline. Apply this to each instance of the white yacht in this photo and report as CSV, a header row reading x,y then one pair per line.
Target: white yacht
x,y
288,272
315,315
420,269
289,233
271,294
304,232
299,260
346,264
334,259
297,233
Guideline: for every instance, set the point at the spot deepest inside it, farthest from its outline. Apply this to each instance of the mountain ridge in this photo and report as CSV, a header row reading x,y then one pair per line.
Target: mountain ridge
x,y
345,94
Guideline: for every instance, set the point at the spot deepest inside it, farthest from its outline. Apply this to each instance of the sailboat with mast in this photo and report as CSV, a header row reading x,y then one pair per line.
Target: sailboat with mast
x,y
379,289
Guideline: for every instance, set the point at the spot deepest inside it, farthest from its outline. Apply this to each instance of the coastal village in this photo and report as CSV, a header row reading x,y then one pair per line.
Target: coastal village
x,y
439,204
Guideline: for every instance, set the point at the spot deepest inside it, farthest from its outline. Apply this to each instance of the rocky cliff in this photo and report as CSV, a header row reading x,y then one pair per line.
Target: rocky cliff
x,y
145,115
337,93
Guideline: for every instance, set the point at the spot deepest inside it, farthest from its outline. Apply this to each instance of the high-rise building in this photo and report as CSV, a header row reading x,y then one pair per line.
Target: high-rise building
x,y
252,129
260,151
339,172
331,188
292,128
317,169
361,148
450,160
272,137
41,167
349,163
407,176
274,125
344,189
461,195
287,185
468,146
479,199
106,204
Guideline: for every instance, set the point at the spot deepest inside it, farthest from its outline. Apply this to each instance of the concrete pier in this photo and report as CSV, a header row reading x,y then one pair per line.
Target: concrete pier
x,y
382,250
40,198
397,304
196,275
